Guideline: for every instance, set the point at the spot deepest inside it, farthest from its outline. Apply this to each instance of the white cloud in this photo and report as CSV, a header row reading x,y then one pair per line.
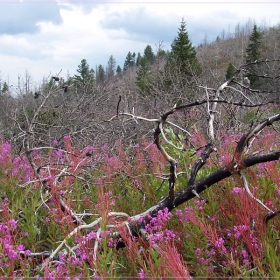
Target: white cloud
x,y
19,17
66,33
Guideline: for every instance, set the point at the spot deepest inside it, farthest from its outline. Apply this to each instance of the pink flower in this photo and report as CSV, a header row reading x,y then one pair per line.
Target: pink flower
x,y
105,147
244,253
141,274
13,224
20,247
236,190
27,252
55,143
179,213
219,243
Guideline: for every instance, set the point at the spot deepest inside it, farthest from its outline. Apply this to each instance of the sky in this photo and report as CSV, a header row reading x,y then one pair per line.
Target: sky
x,y
44,38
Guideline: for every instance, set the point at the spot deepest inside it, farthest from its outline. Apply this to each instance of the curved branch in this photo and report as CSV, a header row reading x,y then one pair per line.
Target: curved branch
x,y
187,193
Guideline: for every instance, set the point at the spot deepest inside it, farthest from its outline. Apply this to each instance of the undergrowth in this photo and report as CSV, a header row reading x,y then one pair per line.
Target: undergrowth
x,y
222,234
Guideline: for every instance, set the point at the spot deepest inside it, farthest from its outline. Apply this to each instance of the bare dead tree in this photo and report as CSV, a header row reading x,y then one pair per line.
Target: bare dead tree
x,y
135,225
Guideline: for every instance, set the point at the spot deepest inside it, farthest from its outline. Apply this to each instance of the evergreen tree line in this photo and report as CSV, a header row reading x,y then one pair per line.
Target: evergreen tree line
x,y
181,59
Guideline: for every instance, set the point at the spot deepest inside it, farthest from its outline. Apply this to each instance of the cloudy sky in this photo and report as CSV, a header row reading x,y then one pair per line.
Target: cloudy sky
x,y
45,36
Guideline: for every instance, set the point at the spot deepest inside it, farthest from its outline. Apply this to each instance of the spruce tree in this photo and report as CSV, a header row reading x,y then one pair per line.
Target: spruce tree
x,y
85,76
183,54
111,67
119,70
253,53
149,54
100,74
144,78
5,88
85,73
230,71
138,59
129,61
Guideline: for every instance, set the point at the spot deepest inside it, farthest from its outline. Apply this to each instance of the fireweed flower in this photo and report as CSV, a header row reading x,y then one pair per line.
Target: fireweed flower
x,y
35,154
213,218
157,223
20,247
219,243
105,147
188,213
236,190
11,252
55,143
211,253
200,259
91,235
89,150
5,150
170,234
13,224
200,203
244,254
58,153
136,184
141,274
48,178
114,162
179,214
238,230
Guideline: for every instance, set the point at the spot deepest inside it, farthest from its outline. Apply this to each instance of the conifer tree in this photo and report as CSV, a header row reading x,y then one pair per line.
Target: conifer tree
x,y
119,70
253,53
111,67
100,74
85,73
138,59
5,88
230,71
149,54
183,54
129,61
144,78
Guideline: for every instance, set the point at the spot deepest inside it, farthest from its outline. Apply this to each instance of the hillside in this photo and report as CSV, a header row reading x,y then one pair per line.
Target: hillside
x,y
98,100
164,170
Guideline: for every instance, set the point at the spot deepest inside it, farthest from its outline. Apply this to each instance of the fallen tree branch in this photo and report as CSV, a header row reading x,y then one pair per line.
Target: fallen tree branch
x,y
79,228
